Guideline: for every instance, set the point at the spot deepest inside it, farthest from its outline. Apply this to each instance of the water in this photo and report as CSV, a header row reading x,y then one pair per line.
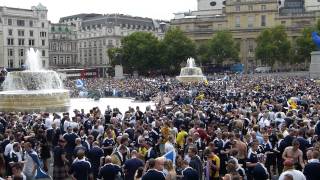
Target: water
x,y
191,63
35,77
33,62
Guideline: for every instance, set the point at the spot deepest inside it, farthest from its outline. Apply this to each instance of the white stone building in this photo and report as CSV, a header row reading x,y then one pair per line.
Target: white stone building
x,y
23,29
96,33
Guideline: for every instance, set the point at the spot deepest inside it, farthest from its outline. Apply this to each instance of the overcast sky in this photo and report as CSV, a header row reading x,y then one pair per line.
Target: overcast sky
x,y
158,9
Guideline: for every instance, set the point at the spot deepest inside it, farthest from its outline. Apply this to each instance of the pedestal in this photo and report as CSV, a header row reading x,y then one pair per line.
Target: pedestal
x,y
118,74
314,69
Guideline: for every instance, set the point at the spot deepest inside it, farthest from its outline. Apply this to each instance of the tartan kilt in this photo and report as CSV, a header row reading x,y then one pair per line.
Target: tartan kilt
x,y
59,172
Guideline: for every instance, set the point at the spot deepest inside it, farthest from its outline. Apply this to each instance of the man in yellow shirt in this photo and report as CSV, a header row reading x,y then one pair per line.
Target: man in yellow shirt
x,y
181,136
212,165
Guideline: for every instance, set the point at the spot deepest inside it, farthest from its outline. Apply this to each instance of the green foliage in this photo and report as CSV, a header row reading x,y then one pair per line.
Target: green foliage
x,y
223,47
140,51
176,48
203,53
273,45
304,45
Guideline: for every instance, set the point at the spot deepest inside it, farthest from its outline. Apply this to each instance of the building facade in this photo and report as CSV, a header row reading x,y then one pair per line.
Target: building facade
x,y
245,19
23,29
96,33
63,47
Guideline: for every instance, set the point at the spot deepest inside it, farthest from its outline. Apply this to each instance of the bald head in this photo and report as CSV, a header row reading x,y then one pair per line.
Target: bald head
x,y
159,163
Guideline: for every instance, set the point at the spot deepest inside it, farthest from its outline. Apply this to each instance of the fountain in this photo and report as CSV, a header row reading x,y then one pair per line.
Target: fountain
x,y
34,90
191,73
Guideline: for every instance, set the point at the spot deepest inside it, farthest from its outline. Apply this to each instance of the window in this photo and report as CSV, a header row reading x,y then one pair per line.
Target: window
x,y
43,34
31,42
20,22
238,8
237,21
9,22
20,32
43,42
10,32
283,22
55,59
42,25
61,60
250,21
10,52
110,42
10,41
21,42
250,8
68,60
31,23
21,52
21,62
263,20
263,7
43,53
43,63
10,63
31,33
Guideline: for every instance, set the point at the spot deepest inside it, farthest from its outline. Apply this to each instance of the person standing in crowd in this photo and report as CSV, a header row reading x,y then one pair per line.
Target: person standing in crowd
x,y
188,173
293,152
152,172
30,166
312,168
94,155
131,165
60,162
290,171
195,161
109,170
81,168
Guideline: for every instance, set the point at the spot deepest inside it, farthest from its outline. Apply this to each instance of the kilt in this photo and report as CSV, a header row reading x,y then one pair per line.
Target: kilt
x,y
59,172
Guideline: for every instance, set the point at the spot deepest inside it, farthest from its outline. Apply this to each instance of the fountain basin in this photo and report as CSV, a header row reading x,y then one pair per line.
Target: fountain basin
x,y
192,79
50,100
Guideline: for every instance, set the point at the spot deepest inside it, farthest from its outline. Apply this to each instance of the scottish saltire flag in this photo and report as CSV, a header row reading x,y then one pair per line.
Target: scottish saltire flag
x,y
40,173
171,155
79,84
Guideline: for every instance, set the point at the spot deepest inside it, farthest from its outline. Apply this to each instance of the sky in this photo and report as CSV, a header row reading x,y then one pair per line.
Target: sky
x,y
157,9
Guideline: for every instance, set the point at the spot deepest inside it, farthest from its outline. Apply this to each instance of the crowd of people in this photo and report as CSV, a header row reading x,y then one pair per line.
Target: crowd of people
x,y
246,127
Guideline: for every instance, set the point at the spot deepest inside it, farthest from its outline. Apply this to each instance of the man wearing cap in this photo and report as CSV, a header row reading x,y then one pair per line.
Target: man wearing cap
x,y
289,170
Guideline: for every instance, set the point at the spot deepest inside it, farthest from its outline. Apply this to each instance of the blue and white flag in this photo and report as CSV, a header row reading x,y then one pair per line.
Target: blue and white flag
x,y
40,173
79,84
171,155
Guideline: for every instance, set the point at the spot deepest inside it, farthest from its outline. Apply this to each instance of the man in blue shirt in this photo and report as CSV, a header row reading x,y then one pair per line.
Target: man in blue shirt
x,y
153,173
94,156
81,168
188,172
131,165
109,171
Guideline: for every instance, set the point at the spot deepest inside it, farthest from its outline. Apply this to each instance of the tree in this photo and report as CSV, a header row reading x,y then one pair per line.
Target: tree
x,y
140,51
176,48
223,47
304,46
273,46
203,53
